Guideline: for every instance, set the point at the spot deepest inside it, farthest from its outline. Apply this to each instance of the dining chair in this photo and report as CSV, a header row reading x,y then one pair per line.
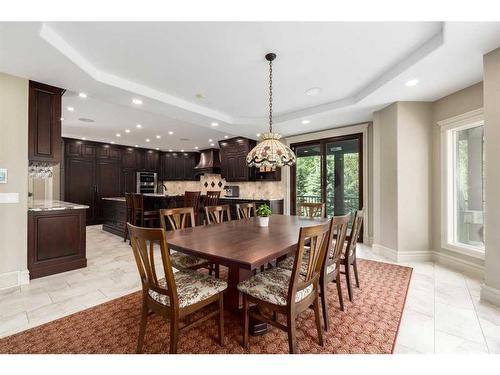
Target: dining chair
x,y
330,270
311,209
289,292
192,199
349,256
176,296
215,214
141,217
129,210
181,218
212,198
245,210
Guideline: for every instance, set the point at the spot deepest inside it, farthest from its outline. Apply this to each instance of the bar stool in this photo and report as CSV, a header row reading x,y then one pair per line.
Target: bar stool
x,y
141,217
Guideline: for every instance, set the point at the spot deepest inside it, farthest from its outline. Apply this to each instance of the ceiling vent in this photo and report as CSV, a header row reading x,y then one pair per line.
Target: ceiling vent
x,y
83,119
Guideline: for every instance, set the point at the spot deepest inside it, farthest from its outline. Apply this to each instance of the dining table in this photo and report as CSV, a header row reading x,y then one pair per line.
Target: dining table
x,y
242,246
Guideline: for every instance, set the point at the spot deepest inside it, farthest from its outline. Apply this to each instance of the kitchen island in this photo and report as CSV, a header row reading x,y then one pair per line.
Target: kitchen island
x,y
56,237
115,209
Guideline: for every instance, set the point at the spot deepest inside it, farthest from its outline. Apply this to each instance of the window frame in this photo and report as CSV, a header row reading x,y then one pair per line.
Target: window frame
x,y
448,187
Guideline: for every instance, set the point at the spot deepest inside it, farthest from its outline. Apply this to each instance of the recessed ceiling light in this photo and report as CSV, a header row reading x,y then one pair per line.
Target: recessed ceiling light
x,y
411,82
210,140
170,150
127,130
226,136
147,140
112,142
136,146
212,144
158,136
157,148
118,135
196,147
62,118
138,126
305,122
170,132
313,91
83,138
137,101
71,109
82,95
214,123
258,134
182,150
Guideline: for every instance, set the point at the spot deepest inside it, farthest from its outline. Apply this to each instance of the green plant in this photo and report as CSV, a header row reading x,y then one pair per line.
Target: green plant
x,y
264,211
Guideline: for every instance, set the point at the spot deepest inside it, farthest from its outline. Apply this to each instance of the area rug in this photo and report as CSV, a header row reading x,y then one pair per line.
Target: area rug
x,y
369,324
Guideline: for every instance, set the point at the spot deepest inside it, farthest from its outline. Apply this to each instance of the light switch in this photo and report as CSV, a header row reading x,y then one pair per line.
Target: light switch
x,y
9,197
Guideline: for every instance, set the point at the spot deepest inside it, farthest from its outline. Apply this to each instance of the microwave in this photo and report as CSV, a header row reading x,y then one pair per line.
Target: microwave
x,y
232,191
147,182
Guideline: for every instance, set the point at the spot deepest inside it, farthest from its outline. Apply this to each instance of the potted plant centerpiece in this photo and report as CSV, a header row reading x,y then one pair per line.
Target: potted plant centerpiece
x,y
263,213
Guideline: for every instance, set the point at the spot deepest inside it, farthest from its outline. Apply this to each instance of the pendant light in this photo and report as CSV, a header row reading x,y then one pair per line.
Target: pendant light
x,y
270,152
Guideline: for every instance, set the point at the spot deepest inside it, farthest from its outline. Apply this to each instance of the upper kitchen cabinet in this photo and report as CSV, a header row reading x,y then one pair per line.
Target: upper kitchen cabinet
x,y
44,131
151,161
233,154
177,166
131,158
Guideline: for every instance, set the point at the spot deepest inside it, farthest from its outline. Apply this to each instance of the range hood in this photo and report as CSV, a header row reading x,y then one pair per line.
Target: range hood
x,y
209,161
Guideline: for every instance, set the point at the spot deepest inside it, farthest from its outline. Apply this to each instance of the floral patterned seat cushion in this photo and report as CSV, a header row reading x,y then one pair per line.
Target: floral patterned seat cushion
x,y
183,261
192,287
272,286
288,264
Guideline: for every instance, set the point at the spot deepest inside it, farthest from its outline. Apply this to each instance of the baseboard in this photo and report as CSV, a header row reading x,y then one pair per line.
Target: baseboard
x,y
415,256
368,241
459,264
13,279
386,252
491,295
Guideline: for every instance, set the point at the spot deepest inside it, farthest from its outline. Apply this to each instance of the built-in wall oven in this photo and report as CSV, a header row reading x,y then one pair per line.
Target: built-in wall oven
x,y
146,182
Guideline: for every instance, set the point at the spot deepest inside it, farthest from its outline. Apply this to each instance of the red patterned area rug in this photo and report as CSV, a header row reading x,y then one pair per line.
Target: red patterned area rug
x,y
368,325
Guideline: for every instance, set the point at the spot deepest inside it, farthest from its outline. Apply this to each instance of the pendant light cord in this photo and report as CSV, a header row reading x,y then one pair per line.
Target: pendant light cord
x,y
270,96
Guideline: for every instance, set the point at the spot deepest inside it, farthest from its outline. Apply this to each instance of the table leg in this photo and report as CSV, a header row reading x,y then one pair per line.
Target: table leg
x,y
233,300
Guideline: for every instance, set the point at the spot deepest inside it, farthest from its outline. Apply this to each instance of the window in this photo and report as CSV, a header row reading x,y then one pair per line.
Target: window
x,y
463,188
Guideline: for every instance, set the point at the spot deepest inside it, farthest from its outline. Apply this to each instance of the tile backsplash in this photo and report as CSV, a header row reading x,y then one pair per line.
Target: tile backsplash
x,y
212,182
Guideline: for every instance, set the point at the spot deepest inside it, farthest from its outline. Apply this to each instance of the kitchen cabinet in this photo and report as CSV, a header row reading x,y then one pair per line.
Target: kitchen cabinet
x,y
151,161
131,158
233,154
44,123
107,183
79,184
177,166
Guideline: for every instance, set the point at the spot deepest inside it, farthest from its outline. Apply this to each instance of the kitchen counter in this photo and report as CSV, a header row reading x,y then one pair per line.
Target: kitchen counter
x,y
54,205
252,199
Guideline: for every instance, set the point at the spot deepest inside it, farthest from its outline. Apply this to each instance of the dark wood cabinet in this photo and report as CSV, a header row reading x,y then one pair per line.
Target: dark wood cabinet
x,y
44,123
151,161
233,154
177,166
56,241
107,181
79,184
130,158
127,181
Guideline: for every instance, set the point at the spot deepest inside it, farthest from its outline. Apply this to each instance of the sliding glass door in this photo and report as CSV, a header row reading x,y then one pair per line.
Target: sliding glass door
x,y
330,171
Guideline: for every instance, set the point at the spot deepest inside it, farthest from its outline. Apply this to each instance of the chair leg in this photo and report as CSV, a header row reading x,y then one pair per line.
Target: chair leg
x,y
221,320
174,334
292,340
217,271
348,280
125,233
142,329
324,304
210,268
355,267
245,321
339,291
318,319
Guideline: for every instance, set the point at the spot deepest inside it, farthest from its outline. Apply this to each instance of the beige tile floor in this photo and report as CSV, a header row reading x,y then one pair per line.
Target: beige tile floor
x,y
443,313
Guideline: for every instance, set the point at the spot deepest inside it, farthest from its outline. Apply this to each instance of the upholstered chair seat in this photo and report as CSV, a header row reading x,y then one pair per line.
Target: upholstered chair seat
x,y
272,286
183,261
192,287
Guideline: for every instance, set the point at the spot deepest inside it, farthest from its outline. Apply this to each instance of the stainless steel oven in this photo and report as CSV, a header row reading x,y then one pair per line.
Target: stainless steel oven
x,y
146,182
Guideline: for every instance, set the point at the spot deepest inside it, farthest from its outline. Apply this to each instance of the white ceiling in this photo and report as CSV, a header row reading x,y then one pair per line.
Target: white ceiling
x,y
360,67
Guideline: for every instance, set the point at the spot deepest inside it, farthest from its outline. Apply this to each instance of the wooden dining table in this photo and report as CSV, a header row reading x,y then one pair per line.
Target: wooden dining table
x,y
241,245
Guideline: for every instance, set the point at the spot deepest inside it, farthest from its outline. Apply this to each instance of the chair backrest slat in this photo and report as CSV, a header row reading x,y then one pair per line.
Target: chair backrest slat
x,y
357,223
144,241
245,210
177,217
311,209
319,238
339,232
192,199
212,198
215,214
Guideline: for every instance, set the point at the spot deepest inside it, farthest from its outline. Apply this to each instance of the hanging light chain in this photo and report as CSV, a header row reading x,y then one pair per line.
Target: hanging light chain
x,y
270,96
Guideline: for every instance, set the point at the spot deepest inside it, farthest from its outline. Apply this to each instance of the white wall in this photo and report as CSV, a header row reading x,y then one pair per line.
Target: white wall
x,y
491,288
14,157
